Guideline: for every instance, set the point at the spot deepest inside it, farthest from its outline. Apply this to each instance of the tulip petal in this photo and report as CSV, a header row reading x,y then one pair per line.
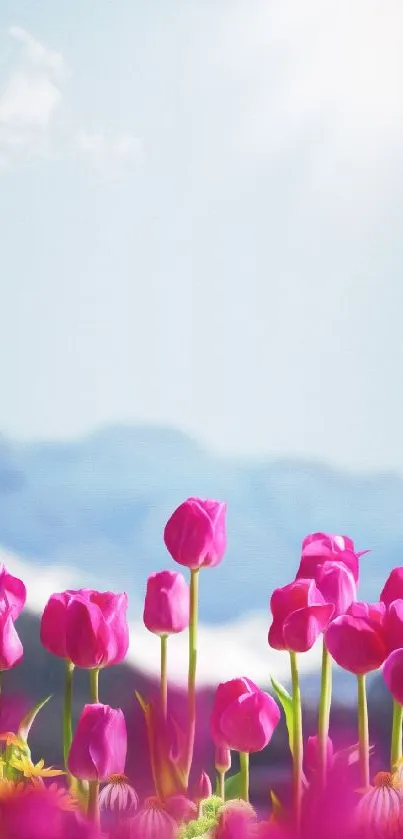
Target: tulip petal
x,y
303,627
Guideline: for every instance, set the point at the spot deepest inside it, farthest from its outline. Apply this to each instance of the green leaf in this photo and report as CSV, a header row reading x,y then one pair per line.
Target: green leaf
x,y
286,702
26,723
233,787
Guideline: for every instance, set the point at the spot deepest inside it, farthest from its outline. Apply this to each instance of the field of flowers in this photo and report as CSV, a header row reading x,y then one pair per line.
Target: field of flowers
x,y
333,792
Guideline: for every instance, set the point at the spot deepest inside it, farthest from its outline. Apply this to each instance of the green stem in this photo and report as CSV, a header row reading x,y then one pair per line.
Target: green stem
x,y
221,784
94,682
194,598
68,701
396,743
164,676
324,713
363,732
93,802
244,767
297,740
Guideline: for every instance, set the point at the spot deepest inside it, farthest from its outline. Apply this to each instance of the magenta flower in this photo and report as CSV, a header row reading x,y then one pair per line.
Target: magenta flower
x,y
222,759
337,585
357,644
202,789
300,614
88,627
166,606
373,611
99,744
11,649
392,672
243,716
393,588
13,593
393,625
318,548
195,534
151,822
312,755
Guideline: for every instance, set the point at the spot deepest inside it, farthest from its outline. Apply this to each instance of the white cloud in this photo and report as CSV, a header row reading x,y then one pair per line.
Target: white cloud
x,y
37,53
29,98
109,153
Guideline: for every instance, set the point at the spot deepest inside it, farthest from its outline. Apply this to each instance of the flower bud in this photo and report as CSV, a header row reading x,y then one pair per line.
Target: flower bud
x,y
195,535
167,603
99,744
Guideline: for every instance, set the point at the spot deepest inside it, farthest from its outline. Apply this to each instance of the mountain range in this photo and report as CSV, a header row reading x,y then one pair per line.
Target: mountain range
x,y
100,503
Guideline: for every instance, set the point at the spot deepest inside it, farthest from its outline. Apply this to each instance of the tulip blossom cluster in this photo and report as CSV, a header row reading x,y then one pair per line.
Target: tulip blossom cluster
x,y
333,792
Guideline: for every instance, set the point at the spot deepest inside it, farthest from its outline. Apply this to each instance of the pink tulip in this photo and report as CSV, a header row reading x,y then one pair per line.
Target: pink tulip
x,y
243,716
357,644
337,585
13,593
312,753
99,744
195,535
373,611
11,649
166,606
393,625
202,789
300,614
88,627
393,588
392,672
222,759
318,548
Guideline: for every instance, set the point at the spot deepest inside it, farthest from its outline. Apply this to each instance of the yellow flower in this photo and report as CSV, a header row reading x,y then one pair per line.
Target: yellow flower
x,y
31,770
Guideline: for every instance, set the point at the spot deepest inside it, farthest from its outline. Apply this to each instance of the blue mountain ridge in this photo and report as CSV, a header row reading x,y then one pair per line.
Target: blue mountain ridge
x,y
100,504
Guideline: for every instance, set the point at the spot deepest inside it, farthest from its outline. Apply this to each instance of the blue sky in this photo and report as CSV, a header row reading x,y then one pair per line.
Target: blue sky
x,y
200,211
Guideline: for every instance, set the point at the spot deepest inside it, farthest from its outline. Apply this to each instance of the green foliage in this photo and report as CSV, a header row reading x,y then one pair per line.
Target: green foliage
x,y
286,702
233,787
26,723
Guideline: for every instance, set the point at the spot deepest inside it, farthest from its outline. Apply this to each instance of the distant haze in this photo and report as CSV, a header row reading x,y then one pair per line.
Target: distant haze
x,y
201,216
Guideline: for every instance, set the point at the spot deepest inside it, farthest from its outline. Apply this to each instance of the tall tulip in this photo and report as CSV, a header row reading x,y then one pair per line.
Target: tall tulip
x,y
337,585
300,614
87,629
358,644
166,612
195,536
243,718
98,749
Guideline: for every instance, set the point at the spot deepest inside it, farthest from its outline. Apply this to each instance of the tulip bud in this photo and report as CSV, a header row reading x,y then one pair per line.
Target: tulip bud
x,y
243,716
195,535
166,606
356,644
87,627
13,593
222,760
99,744
11,649
312,753
203,788
300,614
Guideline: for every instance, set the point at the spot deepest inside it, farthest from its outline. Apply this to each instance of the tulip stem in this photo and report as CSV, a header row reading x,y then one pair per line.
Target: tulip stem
x,y
68,700
94,682
244,766
194,598
93,802
363,732
324,713
221,784
297,740
396,743
164,676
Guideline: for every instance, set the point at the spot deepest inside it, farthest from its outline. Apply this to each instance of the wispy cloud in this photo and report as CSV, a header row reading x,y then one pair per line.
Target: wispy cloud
x,y
109,153
29,98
